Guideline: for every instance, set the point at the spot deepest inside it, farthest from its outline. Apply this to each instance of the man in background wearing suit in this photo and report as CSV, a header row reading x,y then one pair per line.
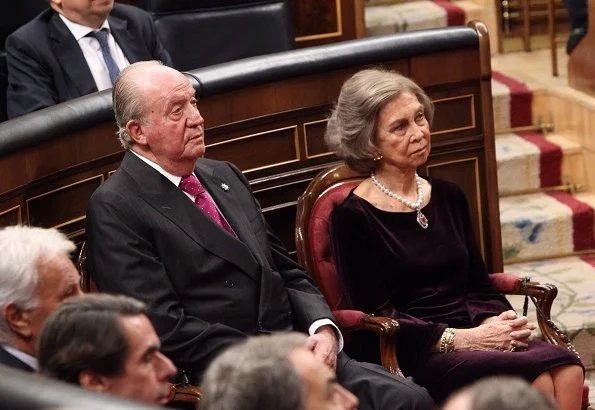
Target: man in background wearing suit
x,y
186,236
75,48
36,274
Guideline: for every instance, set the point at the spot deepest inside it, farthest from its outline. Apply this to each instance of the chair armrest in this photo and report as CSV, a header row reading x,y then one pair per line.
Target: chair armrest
x,y
386,328
186,395
544,294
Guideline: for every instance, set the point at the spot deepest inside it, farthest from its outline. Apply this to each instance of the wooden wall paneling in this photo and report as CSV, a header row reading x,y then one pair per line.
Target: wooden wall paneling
x,y
493,236
328,21
465,171
69,151
11,216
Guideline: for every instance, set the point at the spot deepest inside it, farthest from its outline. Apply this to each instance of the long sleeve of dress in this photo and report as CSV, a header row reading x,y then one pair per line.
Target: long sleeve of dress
x,y
483,300
359,264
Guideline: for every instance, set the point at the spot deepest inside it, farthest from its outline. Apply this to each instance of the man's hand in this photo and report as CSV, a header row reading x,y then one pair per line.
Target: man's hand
x,y
324,345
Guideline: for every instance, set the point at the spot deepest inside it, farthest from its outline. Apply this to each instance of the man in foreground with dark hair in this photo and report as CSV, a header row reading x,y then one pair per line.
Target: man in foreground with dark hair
x,y
106,344
185,235
272,372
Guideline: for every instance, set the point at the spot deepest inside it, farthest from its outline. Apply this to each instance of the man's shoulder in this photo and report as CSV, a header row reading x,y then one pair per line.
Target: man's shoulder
x,y
127,11
212,163
37,27
118,184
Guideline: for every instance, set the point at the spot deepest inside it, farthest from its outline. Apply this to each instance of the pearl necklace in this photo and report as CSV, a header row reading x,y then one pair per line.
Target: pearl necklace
x,y
421,218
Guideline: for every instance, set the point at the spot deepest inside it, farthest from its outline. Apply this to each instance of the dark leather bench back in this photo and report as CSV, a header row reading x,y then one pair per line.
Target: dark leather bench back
x,y
12,17
199,33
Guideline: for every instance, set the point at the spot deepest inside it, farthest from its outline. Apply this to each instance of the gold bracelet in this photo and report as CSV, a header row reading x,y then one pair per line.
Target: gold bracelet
x,y
447,340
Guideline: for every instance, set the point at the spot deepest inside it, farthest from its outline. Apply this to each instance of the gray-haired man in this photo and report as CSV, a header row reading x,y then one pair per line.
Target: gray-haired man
x,y
273,372
36,274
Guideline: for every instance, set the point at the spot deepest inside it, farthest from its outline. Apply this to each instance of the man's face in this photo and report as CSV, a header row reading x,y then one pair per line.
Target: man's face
x,y
173,130
146,370
321,388
91,13
58,280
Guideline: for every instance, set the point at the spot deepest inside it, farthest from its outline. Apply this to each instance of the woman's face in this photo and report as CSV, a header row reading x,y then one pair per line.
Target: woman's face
x,y
402,133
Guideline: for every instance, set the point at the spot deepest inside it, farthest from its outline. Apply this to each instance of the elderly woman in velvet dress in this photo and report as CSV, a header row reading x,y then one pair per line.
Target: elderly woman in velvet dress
x,y
405,248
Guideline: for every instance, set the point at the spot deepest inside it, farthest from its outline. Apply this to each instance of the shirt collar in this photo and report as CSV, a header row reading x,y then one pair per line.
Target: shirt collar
x,y
22,356
173,178
78,30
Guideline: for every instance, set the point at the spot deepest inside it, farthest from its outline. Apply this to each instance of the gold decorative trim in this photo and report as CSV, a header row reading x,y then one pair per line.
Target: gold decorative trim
x,y
19,213
478,193
458,97
99,177
295,141
272,188
63,224
337,33
308,156
279,206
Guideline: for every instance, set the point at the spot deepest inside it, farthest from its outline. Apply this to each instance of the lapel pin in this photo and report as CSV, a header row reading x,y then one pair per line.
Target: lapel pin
x,y
224,187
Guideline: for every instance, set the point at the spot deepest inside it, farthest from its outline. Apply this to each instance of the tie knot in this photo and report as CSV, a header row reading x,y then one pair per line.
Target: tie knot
x,y
191,185
100,36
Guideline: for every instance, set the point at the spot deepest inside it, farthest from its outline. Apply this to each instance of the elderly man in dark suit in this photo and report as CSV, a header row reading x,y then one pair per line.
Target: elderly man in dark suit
x,y
74,48
185,235
36,274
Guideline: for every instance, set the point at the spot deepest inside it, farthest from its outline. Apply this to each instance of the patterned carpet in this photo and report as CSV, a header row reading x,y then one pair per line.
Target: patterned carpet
x,y
385,17
551,230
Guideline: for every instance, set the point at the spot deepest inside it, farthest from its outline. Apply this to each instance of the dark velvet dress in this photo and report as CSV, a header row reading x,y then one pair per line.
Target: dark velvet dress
x,y
429,279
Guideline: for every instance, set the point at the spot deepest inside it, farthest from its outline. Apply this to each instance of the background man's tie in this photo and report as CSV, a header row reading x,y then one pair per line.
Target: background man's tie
x,y
112,67
192,185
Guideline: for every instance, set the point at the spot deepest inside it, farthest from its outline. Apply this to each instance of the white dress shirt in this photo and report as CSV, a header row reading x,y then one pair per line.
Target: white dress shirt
x,y
92,51
176,181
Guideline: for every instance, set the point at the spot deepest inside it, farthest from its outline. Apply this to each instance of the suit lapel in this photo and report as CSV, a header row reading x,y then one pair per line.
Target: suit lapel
x,y
229,207
240,224
119,29
169,201
10,360
71,58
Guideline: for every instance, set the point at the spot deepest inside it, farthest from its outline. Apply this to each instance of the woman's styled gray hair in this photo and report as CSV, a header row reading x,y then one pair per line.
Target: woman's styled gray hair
x,y
351,127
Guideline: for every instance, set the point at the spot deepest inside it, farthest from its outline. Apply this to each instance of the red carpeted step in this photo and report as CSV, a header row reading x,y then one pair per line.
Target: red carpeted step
x,y
512,100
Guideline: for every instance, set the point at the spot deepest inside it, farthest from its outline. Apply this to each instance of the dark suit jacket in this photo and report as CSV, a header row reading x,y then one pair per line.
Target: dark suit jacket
x,y
204,288
46,65
10,360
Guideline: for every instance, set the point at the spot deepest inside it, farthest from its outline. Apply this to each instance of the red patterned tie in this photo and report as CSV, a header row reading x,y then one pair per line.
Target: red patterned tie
x,y
192,185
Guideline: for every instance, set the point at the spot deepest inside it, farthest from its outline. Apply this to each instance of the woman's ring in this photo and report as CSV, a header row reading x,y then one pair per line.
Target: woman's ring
x,y
513,348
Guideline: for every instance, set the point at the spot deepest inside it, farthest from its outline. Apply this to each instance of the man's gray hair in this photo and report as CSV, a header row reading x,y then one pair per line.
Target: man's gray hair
x,y
255,374
506,393
127,103
22,250
351,127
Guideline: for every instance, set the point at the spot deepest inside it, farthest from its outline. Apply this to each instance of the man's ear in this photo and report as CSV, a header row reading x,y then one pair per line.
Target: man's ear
x,y
55,4
18,320
90,380
136,133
